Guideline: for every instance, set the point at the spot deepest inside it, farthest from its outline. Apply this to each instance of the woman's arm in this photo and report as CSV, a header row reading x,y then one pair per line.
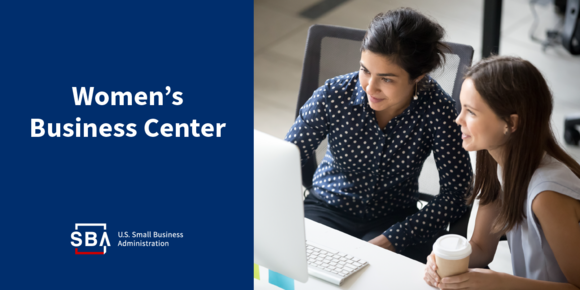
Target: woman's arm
x,y
559,215
311,125
483,242
487,279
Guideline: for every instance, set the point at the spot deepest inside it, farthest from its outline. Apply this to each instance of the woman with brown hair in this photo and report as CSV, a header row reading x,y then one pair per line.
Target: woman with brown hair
x,y
529,188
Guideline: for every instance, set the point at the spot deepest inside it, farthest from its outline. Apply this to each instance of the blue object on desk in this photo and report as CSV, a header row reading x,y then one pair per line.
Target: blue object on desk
x,y
280,280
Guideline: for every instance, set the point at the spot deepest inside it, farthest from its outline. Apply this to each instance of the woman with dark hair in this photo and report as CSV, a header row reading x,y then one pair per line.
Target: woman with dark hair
x,y
382,122
529,188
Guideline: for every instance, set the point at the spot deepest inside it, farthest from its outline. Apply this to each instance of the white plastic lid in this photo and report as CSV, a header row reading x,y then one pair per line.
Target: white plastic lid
x,y
452,247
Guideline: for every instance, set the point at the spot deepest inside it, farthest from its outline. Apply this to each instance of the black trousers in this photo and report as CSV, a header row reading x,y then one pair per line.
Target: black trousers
x,y
321,212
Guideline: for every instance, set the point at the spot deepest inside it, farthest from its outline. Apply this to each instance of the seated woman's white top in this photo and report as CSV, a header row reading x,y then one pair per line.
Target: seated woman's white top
x,y
531,254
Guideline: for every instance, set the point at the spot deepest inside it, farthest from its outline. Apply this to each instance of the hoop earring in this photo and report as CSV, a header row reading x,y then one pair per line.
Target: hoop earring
x,y
416,92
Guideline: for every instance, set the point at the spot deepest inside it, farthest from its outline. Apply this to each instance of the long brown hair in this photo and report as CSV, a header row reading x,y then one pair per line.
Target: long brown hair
x,y
511,85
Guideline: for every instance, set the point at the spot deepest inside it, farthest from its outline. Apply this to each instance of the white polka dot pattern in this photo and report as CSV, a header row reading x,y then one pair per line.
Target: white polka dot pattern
x,y
370,171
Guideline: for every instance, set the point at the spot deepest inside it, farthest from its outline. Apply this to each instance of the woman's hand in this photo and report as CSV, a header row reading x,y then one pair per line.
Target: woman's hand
x,y
431,276
383,242
473,279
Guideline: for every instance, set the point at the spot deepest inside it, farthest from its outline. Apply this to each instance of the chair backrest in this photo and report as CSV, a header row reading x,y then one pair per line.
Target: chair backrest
x,y
333,51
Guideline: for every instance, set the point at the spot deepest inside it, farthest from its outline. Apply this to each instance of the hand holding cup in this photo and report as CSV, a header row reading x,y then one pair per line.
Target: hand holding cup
x,y
431,276
450,257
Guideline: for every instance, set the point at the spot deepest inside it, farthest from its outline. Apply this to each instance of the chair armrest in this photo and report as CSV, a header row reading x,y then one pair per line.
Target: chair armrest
x,y
459,227
425,197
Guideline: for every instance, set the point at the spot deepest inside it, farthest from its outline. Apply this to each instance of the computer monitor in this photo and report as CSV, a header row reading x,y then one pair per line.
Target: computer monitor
x,y
279,238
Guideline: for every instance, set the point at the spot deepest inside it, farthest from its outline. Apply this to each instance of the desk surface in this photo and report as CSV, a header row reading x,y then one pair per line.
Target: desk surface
x,y
386,270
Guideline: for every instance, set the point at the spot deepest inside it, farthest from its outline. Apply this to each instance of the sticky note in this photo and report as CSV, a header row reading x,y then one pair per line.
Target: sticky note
x,y
256,271
280,280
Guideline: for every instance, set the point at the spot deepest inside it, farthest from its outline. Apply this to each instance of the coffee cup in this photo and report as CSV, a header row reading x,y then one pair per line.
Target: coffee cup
x,y
451,255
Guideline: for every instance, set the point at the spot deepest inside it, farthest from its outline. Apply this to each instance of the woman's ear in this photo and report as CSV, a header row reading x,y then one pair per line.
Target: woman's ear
x,y
514,120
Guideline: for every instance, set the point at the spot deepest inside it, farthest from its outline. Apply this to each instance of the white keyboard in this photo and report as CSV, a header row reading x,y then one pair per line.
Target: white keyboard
x,y
331,265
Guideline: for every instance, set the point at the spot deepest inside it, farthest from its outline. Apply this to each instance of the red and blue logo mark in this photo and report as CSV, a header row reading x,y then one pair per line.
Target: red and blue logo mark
x,y
91,233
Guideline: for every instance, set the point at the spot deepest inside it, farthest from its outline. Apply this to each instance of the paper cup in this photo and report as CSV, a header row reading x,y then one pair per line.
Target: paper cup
x,y
451,255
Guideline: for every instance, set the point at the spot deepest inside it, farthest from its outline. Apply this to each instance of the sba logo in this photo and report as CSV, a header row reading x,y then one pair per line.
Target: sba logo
x,y
90,239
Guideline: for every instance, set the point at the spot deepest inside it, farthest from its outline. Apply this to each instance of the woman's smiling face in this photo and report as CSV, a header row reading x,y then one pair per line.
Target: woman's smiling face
x,y
385,83
481,128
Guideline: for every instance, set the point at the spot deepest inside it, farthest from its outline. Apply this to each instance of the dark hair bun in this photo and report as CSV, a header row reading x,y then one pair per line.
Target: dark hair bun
x,y
409,39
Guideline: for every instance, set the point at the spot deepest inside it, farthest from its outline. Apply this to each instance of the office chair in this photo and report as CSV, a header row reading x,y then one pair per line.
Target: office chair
x,y
333,51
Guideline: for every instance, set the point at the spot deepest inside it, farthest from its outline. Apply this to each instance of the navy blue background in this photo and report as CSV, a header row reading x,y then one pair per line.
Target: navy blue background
x,y
201,187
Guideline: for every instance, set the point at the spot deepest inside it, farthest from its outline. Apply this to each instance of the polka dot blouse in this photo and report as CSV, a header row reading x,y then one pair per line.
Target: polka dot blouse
x,y
369,172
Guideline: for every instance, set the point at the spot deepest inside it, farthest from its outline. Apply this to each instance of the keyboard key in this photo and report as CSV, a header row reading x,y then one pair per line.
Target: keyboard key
x,y
357,264
349,257
323,248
